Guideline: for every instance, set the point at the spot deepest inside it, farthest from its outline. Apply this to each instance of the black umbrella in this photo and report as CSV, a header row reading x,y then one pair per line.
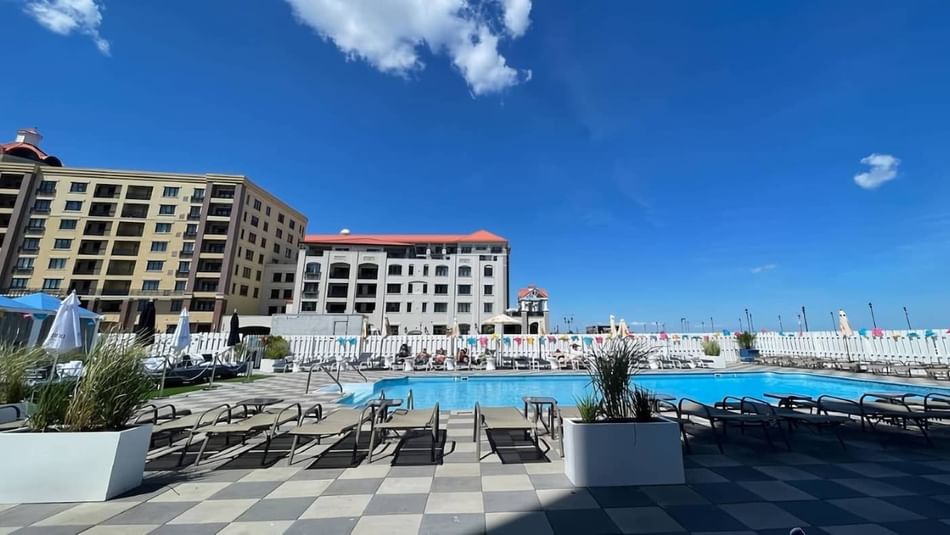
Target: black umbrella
x,y
146,326
234,337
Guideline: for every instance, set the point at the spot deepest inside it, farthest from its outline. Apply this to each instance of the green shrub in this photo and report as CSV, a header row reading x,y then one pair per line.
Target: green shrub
x,y
589,407
113,386
14,362
611,368
711,348
746,340
51,404
276,348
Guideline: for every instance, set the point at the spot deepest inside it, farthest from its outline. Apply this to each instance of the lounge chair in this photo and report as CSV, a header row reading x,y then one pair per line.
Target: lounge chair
x,y
267,422
501,419
152,413
335,424
408,420
790,416
191,424
874,408
11,418
691,408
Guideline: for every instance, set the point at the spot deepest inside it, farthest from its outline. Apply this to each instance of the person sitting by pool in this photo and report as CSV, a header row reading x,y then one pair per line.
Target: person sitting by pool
x,y
439,357
462,356
560,356
404,352
422,358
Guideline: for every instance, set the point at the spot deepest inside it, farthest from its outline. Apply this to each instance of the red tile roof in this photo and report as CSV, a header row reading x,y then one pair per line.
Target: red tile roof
x,y
20,149
481,236
524,291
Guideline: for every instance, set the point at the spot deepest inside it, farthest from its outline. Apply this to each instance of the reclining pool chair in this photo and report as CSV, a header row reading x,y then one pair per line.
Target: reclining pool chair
x,y
408,420
501,419
872,409
691,408
191,424
11,418
335,424
792,417
267,422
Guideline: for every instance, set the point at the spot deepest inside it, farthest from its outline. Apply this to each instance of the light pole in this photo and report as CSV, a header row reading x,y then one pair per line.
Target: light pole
x,y
683,325
740,324
834,324
799,324
781,329
748,320
569,321
751,325
873,320
804,317
907,317
712,324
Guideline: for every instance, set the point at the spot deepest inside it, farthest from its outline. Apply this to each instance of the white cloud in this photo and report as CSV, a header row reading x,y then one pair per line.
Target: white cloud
x,y
388,35
883,169
764,268
67,16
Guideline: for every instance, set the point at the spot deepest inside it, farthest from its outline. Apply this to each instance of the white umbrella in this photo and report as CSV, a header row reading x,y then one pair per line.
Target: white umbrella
x,y
66,334
623,329
181,341
613,326
386,327
501,319
843,325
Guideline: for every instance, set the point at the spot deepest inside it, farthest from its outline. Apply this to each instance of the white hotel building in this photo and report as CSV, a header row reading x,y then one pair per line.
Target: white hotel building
x,y
418,282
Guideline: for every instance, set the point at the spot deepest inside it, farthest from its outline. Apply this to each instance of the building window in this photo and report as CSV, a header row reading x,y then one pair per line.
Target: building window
x,y
311,306
257,204
256,292
62,243
441,289
30,244
57,263
149,286
198,194
487,308
279,234
78,187
252,238
395,269
271,311
465,289
465,271
440,307
255,221
287,252
73,206
166,209
154,265
409,307
24,263
267,210
280,218
365,308
246,273
52,284
288,293
36,224
163,228
249,255
243,290
489,271
489,289
276,277
47,186
175,305
180,286
393,288
464,308
392,307
184,266
159,246
439,329
257,276
170,191
41,205
466,250
292,224
276,248
441,271
18,282
67,224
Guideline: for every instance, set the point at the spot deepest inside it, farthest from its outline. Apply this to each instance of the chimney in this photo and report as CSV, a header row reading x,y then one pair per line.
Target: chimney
x,y
30,136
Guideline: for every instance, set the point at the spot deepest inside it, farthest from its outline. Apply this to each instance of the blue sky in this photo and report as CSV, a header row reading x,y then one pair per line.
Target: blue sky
x,y
650,160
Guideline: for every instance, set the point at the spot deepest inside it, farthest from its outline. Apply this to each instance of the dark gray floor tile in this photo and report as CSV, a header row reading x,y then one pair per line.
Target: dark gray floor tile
x,y
825,490
457,484
188,529
52,530
819,513
150,513
918,527
246,490
922,505
551,481
26,514
917,484
499,469
875,510
828,471
412,471
503,502
353,486
323,526
391,504
276,509
620,497
674,495
587,521
726,493
704,518
741,473
911,467
452,524
328,473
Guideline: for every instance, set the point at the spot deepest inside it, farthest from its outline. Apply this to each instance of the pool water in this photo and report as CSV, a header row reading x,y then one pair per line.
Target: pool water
x,y
458,393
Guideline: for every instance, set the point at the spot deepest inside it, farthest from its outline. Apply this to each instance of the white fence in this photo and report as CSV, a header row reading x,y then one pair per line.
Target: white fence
x,y
922,346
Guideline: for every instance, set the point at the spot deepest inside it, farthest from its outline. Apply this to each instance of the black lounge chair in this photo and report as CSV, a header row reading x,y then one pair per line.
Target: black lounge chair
x,y
690,408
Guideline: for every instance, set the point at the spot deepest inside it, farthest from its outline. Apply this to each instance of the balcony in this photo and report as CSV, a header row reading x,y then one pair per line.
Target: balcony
x,y
222,192
138,211
130,229
35,230
194,216
116,288
206,285
139,193
40,209
97,229
102,209
23,269
121,268
219,210
84,287
30,247
190,234
86,267
92,247
46,192
216,230
214,247
198,198
186,253
125,248
107,192
311,275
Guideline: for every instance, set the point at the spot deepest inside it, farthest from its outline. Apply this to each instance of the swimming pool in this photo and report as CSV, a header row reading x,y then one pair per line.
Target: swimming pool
x,y
457,393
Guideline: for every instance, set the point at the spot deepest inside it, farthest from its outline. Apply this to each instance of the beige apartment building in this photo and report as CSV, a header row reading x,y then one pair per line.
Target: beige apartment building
x,y
120,238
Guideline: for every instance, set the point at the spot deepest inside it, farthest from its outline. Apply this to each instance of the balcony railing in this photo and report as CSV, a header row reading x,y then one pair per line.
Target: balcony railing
x,y
186,254
311,275
197,198
23,269
35,230
46,192
41,209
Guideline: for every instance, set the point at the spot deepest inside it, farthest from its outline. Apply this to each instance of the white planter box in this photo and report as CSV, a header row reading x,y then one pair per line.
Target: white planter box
x,y
267,365
621,454
71,467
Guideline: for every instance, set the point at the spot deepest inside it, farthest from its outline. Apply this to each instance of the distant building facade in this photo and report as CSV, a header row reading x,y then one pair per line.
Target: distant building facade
x,y
418,282
533,310
121,238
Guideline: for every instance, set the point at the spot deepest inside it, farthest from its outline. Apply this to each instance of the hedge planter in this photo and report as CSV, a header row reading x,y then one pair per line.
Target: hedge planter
x,y
71,467
623,454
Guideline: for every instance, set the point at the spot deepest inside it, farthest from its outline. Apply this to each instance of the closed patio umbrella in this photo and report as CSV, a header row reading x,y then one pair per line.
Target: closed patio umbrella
x,y
65,335
623,329
234,334
145,329
502,320
181,341
845,327
613,326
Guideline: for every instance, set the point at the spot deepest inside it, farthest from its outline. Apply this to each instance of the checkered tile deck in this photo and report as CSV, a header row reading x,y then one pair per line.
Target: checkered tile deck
x,y
872,487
